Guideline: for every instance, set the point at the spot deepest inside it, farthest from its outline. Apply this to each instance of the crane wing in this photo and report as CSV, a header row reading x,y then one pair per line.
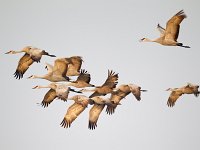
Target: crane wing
x,y
118,95
115,98
94,113
60,67
48,98
173,98
84,76
111,80
110,109
72,113
23,65
173,25
74,66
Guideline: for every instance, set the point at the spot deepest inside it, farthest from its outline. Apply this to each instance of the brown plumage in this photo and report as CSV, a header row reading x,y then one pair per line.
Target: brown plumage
x,y
31,55
57,72
108,86
74,66
177,92
82,81
94,113
60,91
121,92
48,98
191,89
73,112
169,36
24,63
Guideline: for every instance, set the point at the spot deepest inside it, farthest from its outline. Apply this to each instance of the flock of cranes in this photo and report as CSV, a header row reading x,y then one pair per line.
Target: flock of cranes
x,y
64,68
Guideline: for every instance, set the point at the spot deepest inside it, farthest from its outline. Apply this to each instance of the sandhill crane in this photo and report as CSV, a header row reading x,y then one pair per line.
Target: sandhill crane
x,y
106,88
74,66
177,92
121,92
59,91
57,72
31,55
169,36
74,110
82,81
174,95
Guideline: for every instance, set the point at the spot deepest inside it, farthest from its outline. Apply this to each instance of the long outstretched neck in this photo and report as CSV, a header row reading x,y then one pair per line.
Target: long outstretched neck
x,y
147,40
14,52
40,87
87,90
36,77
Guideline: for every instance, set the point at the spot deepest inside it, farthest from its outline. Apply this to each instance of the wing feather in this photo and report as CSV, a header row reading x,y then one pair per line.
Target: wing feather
x,y
48,98
111,80
94,113
74,66
84,76
115,98
173,98
60,67
23,65
173,25
72,113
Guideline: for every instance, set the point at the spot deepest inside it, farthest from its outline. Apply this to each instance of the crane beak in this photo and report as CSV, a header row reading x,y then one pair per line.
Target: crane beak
x,y
30,77
143,90
142,40
8,52
35,87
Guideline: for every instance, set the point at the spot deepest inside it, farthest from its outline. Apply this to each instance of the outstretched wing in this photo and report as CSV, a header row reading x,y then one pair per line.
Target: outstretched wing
x,y
94,113
74,66
60,67
110,109
48,98
108,86
115,98
23,65
173,98
84,76
72,113
111,80
173,25
118,95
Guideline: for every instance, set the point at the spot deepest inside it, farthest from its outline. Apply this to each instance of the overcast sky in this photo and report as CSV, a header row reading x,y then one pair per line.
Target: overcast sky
x,y
106,34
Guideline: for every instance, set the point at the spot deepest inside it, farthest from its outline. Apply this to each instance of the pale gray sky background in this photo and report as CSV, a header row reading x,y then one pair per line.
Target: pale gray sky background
x,y
105,33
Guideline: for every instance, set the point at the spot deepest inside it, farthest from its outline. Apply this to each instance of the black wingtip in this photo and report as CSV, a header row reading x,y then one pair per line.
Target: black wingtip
x,y
18,75
65,123
110,111
45,104
92,125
